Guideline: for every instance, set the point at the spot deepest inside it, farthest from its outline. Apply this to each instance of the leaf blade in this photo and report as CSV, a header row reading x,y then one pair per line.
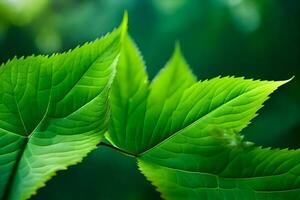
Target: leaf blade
x,y
165,93
68,94
203,106
128,94
246,175
207,149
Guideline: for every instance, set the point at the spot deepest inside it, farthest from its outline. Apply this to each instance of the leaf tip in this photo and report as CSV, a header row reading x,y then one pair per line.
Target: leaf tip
x,y
177,53
280,83
177,48
291,78
124,24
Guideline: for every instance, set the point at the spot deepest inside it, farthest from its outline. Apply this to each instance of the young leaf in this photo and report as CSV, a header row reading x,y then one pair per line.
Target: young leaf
x,y
53,112
188,142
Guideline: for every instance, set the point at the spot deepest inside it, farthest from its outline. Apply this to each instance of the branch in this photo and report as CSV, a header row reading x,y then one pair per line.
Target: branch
x,y
117,149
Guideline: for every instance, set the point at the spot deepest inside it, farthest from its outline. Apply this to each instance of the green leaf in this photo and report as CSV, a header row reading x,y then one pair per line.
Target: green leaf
x,y
134,103
210,169
128,94
205,157
186,133
165,93
53,112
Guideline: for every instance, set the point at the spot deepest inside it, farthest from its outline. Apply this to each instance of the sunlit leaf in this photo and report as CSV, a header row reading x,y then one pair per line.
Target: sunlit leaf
x,y
53,112
186,134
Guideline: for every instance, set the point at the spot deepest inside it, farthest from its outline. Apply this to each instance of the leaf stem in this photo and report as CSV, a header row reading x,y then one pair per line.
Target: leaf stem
x,y
117,149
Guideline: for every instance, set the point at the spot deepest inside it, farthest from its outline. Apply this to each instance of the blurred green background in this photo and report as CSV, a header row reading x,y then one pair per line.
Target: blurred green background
x,y
253,38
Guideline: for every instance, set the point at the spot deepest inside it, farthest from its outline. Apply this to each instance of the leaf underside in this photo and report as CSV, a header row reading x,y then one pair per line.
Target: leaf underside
x,y
186,134
53,112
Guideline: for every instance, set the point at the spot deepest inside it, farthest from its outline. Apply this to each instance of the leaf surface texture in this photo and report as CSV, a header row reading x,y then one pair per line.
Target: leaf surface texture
x,y
54,111
186,134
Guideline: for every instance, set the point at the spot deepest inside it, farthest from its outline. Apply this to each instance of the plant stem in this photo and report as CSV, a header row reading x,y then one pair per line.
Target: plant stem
x,y
117,149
